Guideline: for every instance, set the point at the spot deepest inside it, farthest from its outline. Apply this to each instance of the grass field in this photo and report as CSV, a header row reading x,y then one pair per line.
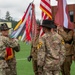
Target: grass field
x,y
23,66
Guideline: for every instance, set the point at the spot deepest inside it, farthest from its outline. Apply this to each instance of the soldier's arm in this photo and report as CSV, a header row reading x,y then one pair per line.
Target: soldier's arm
x,y
41,53
70,35
74,46
67,36
10,42
17,48
62,51
31,49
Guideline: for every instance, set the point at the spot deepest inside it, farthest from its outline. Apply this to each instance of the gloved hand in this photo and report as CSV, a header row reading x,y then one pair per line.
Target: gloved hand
x,y
29,58
17,48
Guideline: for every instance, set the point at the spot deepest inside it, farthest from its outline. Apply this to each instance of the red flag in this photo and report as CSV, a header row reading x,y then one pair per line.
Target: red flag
x,y
62,17
9,53
28,24
46,9
34,24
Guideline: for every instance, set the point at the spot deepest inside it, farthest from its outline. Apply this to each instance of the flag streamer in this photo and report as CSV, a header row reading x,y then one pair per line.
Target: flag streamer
x,y
25,30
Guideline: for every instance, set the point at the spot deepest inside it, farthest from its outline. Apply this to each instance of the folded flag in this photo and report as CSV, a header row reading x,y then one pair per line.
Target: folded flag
x,y
9,53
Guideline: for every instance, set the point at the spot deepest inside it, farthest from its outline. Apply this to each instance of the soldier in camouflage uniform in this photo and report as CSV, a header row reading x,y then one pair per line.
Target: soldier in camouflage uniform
x,y
74,46
68,38
5,42
12,61
51,50
33,53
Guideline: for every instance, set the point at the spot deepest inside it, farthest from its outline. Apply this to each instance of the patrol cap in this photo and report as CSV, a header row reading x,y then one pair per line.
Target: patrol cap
x,y
4,27
48,24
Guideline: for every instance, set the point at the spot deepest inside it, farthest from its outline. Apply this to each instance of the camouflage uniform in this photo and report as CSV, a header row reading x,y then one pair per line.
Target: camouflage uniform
x,y
34,56
12,62
5,42
33,53
12,66
74,46
68,38
51,54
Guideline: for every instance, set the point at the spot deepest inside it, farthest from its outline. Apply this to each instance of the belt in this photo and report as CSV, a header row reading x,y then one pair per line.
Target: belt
x,y
2,58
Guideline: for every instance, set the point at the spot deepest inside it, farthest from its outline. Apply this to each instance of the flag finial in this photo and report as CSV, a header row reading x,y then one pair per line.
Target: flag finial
x,y
32,1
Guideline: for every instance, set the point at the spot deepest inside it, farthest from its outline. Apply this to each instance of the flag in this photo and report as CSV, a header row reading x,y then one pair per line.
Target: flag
x,y
9,53
46,12
28,26
62,17
20,22
26,29
20,28
34,25
46,9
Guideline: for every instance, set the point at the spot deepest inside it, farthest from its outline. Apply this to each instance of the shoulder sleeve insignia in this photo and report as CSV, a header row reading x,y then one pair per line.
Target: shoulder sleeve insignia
x,y
62,41
39,45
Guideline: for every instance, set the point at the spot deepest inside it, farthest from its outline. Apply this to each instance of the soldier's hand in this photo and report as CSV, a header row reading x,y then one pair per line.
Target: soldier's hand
x,y
29,58
17,48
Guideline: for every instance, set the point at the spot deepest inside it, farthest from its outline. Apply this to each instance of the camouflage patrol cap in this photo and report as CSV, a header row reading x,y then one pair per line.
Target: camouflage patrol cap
x,y
48,24
4,27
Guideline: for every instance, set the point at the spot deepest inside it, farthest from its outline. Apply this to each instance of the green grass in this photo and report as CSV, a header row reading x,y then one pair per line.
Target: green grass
x,y
73,68
23,66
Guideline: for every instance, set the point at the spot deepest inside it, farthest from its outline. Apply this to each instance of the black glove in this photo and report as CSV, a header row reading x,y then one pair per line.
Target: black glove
x,y
17,48
29,58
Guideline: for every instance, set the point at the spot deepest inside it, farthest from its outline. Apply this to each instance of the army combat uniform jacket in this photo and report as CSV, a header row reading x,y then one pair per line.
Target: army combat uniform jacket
x,y
51,51
34,48
74,44
67,35
5,42
68,39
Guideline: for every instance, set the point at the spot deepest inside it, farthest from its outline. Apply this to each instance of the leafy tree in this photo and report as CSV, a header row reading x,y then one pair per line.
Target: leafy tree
x,y
7,16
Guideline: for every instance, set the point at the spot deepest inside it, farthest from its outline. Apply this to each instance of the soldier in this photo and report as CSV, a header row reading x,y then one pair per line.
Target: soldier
x,y
68,38
11,61
33,53
74,46
51,50
5,42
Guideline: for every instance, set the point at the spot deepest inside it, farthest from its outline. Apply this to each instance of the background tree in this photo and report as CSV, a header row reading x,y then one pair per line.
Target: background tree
x,y
7,16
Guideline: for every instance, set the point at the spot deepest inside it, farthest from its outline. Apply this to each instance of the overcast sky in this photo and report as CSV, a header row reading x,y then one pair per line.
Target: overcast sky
x,y
18,7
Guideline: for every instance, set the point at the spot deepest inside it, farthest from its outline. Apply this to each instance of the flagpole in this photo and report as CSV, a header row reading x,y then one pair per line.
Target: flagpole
x,y
33,1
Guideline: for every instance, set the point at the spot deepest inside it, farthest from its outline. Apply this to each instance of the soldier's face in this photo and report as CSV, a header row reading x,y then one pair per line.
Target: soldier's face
x,y
5,33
